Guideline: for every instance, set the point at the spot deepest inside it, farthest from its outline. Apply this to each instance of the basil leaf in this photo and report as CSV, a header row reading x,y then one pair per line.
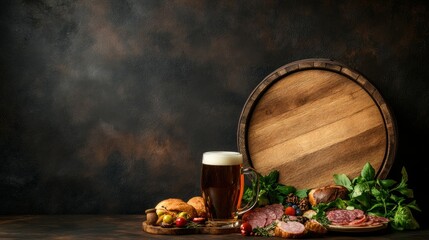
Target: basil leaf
x,y
386,183
368,172
358,190
407,192
343,180
302,193
271,178
375,206
414,206
285,190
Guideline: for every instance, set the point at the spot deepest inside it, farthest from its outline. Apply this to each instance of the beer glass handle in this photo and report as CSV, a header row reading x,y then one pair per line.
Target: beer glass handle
x,y
254,177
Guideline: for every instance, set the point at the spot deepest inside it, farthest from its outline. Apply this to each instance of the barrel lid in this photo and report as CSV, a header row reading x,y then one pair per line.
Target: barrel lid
x,y
313,118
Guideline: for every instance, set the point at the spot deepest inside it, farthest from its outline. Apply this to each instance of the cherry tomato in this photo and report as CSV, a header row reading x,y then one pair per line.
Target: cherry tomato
x,y
290,211
246,229
180,222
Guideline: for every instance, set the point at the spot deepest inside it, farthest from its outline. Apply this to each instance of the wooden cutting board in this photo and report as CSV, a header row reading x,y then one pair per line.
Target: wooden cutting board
x,y
314,118
184,231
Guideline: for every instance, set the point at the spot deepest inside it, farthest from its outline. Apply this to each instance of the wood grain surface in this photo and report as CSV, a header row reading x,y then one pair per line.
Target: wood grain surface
x,y
314,118
102,227
184,231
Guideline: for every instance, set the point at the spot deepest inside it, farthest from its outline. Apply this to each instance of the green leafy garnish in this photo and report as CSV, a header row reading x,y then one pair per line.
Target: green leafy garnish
x,y
271,191
381,197
403,219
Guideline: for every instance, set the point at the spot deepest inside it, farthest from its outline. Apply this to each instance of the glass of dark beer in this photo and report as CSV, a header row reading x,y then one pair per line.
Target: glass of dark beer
x,y
222,185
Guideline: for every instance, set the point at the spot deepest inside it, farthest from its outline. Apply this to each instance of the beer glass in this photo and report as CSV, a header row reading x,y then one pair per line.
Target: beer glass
x,y
222,185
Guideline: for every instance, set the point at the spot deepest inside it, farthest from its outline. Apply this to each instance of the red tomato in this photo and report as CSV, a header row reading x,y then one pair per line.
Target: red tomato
x,y
180,222
290,211
246,229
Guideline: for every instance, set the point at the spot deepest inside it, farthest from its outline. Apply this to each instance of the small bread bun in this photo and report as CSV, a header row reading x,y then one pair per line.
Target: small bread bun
x,y
176,205
198,203
327,194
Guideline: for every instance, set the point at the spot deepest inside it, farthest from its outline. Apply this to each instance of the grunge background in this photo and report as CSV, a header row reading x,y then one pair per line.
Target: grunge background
x,y
107,106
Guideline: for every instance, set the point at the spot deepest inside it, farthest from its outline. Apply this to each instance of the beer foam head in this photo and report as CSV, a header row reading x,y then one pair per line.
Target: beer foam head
x,y
222,158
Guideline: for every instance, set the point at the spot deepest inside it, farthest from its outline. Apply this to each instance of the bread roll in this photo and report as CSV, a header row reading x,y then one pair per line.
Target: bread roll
x,y
315,228
198,203
327,194
175,206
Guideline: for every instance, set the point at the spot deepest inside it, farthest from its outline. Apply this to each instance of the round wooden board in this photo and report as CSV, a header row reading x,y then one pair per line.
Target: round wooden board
x,y
314,118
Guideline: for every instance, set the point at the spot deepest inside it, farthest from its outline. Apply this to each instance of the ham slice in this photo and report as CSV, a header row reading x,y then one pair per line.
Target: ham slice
x,y
290,229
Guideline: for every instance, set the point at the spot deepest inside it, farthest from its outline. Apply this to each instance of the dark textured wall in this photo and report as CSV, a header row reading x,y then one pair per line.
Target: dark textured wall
x,y
107,106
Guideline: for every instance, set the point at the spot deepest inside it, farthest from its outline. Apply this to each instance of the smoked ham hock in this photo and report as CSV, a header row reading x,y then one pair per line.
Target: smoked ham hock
x,y
327,194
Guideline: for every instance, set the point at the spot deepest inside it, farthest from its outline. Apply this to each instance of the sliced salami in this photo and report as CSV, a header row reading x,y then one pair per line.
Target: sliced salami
x,y
355,218
378,219
263,216
278,209
358,221
271,215
257,222
344,217
256,217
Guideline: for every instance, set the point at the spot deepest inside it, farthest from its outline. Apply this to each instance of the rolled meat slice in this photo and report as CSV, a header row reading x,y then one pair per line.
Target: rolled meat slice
x,y
290,229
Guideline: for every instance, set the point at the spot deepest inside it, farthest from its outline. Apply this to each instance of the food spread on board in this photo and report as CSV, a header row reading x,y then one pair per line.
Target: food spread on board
x,y
362,204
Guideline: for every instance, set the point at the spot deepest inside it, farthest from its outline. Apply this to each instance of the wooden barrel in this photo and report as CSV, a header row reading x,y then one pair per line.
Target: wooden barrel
x,y
314,118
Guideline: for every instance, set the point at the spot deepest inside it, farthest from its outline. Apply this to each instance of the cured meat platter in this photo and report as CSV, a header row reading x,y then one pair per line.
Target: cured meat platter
x,y
313,118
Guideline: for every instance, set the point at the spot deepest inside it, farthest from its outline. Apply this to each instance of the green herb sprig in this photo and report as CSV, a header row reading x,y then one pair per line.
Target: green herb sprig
x,y
267,231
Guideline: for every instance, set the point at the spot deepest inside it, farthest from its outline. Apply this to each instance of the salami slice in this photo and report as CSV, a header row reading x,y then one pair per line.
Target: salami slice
x,y
257,217
358,221
278,209
354,218
257,222
271,215
378,219
345,217
256,213
263,216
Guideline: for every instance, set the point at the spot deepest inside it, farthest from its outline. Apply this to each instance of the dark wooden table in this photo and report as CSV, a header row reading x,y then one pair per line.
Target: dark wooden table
x,y
130,227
